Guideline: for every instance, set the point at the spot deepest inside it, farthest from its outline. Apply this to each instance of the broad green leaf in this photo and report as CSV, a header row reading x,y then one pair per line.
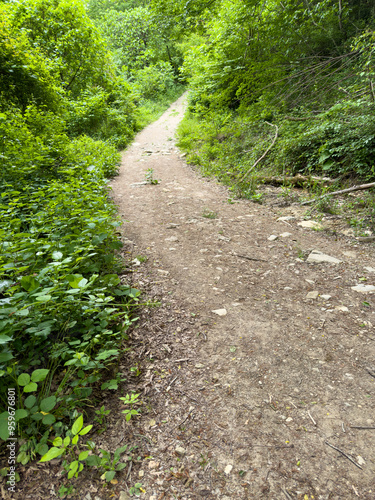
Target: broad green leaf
x,y
29,283
39,375
57,255
83,455
75,439
67,441
85,430
21,413
30,401
51,454
4,339
47,404
77,426
121,466
109,475
23,379
43,298
48,419
31,387
57,441
4,427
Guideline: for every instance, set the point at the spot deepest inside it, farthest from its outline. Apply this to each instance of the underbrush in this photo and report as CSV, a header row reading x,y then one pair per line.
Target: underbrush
x,y
239,146
64,311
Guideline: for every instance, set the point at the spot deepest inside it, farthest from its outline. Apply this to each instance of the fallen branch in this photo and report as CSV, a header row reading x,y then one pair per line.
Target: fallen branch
x,y
264,154
343,191
296,180
344,454
366,239
248,258
361,427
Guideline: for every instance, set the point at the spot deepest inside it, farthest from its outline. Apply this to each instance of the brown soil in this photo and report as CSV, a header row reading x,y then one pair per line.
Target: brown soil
x,y
240,406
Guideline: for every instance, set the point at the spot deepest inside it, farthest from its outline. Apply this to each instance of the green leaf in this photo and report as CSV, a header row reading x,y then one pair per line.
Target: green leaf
x,y
30,401
31,387
39,375
47,404
83,455
4,339
21,413
85,430
43,298
121,466
67,441
51,454
23,379
29,283
75,439
77,426
109,475
48,419
57,441
57,255
41,449
4,427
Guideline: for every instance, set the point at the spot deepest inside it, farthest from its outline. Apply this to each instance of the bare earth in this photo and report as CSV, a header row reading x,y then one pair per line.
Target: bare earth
x,y
243,406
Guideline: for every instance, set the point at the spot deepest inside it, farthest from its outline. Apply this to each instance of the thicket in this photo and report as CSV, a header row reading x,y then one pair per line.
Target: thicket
x,y
70,96
300,71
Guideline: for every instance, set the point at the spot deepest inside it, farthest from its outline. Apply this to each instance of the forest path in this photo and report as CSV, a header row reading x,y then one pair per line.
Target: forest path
x,y
241,405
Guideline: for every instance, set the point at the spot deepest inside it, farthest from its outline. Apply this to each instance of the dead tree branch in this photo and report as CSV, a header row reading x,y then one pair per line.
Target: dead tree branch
x,y
343,191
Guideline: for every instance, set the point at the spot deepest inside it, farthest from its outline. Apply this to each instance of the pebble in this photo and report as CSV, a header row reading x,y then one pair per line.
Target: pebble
x,y
180,451
370,269
284,219
285,235
316,256
312,295
123,496
228,469
325,297
220,312
171,238
312,224
342,308
199,366
273,237
153,465
363,288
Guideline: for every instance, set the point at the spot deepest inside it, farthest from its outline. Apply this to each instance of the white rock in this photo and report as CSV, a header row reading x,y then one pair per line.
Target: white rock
x,y
325,297
141,473
342,308
360,460
273,237
153,465
312,224
363,288
220,312
370,269
312,295
180,451
285,235
289,419
228,469
199,366
283,219
316,256
123,496
310,281
172,238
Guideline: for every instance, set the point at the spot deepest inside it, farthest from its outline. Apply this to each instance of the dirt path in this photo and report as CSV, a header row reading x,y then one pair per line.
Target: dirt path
x,y
242,405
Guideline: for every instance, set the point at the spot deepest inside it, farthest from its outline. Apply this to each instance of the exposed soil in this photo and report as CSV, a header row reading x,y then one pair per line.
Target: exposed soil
x,y
240,406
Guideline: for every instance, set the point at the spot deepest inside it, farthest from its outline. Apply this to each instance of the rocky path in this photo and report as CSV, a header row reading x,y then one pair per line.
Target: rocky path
x,y
260,370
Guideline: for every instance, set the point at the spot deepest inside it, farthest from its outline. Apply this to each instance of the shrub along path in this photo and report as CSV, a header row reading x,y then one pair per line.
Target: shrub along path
x,y
258,367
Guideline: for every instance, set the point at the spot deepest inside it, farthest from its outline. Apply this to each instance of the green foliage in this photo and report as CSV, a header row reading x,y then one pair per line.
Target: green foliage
x,y
61,30
306,67
130,400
